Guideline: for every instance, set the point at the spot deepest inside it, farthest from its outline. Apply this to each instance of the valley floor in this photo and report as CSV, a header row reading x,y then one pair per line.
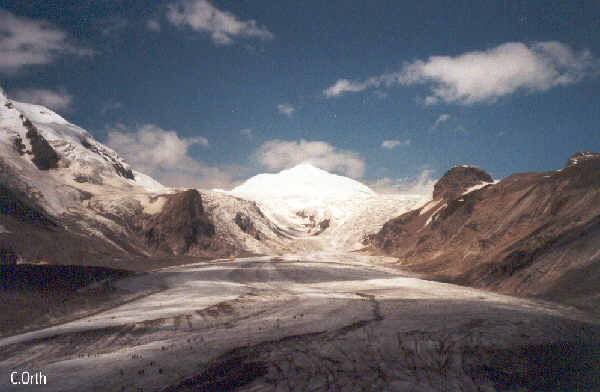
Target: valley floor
x,y
320,322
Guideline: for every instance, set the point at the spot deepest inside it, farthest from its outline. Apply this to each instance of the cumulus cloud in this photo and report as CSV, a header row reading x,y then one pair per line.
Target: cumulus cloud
x,y
485,76
164,156
390,144
153,25
110,106
342,86
442,118
281,154
419,185
286,109
25,42
56,100
223,26
112,26
380,94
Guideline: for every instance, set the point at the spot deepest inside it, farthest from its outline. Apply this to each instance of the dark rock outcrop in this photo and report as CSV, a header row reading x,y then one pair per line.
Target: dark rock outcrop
x,y
19,146
246,225
528,235
17,206
44,156
181,225
323,225
457,180
121,170
582,157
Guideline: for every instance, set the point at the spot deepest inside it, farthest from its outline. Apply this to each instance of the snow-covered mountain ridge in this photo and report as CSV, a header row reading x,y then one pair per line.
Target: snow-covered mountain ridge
x,y
88,160
94,206
59,170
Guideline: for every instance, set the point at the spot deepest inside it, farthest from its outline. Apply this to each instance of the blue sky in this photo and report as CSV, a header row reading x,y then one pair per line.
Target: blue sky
x,y
393,93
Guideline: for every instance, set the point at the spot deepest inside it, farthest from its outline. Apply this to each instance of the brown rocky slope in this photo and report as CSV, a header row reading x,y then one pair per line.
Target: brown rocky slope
x,y
531,234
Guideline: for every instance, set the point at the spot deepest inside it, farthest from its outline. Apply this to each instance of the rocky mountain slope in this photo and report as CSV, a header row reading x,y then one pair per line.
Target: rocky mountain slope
x,y
67,199
531,234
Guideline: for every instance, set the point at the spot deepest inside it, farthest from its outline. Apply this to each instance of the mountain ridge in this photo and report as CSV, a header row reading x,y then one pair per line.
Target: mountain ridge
x,y
522,235
67,198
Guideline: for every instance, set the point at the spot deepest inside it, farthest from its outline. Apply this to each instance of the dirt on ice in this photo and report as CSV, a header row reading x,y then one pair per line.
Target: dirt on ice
x,y
322,322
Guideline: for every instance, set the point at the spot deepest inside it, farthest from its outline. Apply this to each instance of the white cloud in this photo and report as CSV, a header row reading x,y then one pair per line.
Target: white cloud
x,y
113,25
485,76
286,109
110,106
281,154
56,100
461,129
246,132
164,156
199,140
380,94
153,25
420,185
344,85
223,26
442,118
25,41
390,144
430,100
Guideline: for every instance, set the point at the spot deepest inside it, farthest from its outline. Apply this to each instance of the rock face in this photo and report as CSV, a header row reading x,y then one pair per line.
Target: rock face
x,y
457,180
180,226
44,156
245,223
535,234
581,157
119,166
17,206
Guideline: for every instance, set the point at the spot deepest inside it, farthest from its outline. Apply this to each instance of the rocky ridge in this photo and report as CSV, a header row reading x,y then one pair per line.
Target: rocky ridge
x,y
458,180
531,234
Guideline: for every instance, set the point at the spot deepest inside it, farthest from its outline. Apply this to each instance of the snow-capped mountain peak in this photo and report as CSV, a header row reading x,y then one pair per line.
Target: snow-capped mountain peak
x,y
303,181
328,211
39,134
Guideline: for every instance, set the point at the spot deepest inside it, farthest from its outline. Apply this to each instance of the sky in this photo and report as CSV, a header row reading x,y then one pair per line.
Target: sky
x,y
393,93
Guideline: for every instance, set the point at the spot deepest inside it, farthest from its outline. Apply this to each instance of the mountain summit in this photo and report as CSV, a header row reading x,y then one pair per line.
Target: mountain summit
x,y
308,201
459,179
301,181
